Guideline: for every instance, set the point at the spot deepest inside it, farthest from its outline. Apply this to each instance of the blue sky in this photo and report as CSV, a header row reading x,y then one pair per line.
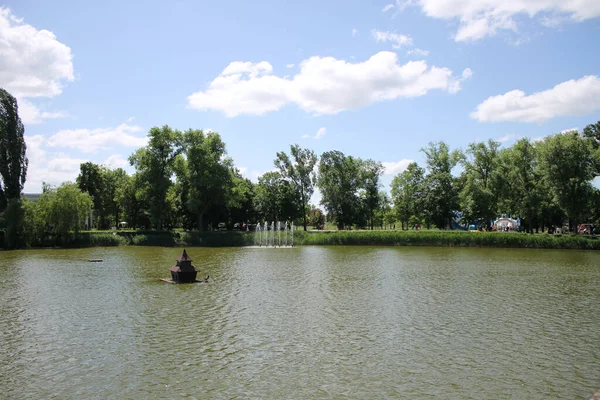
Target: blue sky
x,y
373,79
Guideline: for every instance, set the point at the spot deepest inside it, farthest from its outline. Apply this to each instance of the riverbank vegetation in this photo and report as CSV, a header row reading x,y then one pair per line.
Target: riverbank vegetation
x,y
186,181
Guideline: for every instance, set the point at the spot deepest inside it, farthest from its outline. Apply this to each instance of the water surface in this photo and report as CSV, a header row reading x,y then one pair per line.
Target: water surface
x,y
308,322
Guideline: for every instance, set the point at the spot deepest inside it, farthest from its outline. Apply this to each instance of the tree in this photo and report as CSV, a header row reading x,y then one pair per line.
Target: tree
x,y
91,180
522,189
276,198
371,172
407,193
155,164
479,195
62,211
241,200
130,197
13,167
339,182
441,198
568,164
209,171
592,131
114,180
300,172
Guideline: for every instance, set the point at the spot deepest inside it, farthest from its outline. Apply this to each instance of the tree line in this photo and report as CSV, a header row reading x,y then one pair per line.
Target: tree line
x,y
185,179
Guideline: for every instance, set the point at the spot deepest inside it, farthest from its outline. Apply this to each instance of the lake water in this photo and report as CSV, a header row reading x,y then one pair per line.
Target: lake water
x,y
301,323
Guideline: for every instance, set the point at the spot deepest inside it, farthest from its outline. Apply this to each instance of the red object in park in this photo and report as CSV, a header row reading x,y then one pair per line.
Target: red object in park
x,y
183,271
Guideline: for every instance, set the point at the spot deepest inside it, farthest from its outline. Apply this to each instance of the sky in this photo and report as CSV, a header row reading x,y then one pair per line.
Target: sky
x,y
374,79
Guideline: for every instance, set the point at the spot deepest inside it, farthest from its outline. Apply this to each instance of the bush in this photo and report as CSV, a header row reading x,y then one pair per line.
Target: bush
x,y
445,238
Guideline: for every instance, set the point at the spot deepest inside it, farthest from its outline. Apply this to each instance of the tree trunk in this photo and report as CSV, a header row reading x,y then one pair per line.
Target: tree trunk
x,y
201,221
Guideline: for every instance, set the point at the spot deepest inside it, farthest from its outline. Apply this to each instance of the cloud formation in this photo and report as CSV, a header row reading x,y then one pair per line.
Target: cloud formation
x,y
480,18
394,168
397,40
324,85
33,64
320,133
573,97
92,140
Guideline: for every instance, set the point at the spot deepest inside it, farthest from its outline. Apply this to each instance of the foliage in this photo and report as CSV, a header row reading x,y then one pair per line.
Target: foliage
x,y
155,164
407,194
371,172
446,239
440,189
568,163
13,167
339,182
300,172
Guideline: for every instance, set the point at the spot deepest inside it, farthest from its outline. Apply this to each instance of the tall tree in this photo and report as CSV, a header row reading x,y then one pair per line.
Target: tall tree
x,y
210,172
568,163
371,172
13,167
441,197
339,182
91,179
155,164
407,193
300,171
479,194
114,179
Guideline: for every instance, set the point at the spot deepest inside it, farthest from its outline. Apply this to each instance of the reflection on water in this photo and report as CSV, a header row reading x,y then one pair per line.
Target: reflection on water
x,y
308,322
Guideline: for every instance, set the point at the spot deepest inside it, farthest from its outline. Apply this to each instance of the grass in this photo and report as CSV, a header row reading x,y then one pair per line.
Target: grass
x,y
446,239
180,238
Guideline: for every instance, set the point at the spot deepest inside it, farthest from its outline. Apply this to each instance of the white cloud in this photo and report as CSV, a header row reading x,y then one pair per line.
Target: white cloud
x,y
290,65
569,130
387,8
507,138
481,18
396,39
92,140
573,97
31,114
395,167
51,168
467,73
320,133
537,139
324,85
33,63
116,161
354,32
418,52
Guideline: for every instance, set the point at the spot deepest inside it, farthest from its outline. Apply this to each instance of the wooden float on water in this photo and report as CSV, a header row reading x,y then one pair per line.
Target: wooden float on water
x,y
95,260
184,271
205,280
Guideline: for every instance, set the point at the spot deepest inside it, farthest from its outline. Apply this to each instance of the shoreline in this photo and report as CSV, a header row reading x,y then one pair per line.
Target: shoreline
x,y
326,238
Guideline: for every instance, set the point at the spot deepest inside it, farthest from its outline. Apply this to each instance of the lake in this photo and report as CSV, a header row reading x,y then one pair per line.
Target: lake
x,y
301,323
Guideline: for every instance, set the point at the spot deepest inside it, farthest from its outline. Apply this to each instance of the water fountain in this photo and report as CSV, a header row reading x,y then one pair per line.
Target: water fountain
x,y
264,234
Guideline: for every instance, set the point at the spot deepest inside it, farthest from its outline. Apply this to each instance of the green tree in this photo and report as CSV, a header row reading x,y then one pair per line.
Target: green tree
x,y
407,193
62,211
13,167
339,182
131,199
276,198
91,179
524,187
209,171
155,164
300,172
241,200
114,180
592,131
479,194
441,197
370,172
568,164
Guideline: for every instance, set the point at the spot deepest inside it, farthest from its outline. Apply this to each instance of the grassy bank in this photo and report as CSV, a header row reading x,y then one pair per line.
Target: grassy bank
x,y
335,238
446,239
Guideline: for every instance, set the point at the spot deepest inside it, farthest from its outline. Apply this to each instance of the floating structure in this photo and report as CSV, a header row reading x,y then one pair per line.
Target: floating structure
x,y
95,260
183,271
